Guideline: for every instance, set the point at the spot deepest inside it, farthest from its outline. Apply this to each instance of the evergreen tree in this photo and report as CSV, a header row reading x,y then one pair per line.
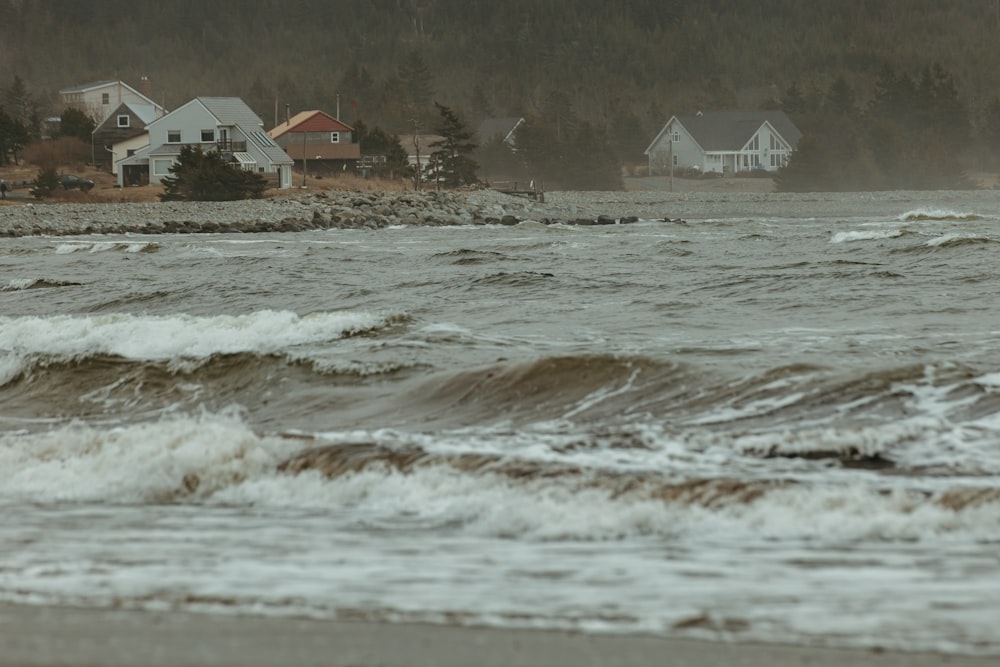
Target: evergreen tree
x,y
201,176
452,157
76,123
14,136
357,89
416,84
840,99
794,101
390,159
46,182
591,163
19,102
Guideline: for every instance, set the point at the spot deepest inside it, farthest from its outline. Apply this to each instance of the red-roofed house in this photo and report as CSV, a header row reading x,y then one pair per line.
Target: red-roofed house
x,y
319,142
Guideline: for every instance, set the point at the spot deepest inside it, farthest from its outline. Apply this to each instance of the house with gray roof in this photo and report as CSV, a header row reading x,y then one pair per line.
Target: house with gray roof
x,y
724,142
223,124
113,136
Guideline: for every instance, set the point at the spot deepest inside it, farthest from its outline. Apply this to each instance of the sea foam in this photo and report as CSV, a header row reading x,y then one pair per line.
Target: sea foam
x,y
166,337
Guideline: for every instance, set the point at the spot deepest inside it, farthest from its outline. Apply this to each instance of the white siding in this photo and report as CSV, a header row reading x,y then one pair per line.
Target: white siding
x,y
120,150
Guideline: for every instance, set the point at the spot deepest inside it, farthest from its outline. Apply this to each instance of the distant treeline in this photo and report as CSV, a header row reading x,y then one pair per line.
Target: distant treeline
x,y
577,68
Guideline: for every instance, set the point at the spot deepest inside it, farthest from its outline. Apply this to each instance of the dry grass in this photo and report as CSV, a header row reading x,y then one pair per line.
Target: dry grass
x,y
106,189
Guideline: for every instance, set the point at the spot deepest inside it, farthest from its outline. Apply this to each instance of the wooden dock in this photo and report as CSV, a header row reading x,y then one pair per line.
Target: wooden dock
x,y
529,190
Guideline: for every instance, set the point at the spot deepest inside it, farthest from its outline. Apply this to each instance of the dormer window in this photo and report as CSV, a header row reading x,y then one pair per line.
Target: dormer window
x,y
124,120
335,137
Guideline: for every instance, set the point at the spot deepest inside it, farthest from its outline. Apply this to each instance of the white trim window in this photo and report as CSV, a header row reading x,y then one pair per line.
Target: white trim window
x,y
173,136
124,121
335,137
208,136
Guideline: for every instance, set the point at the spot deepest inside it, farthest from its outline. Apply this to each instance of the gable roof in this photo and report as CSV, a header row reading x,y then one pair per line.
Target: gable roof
x,y
497,127
231,111
144,112
95,85
730,130
310,121
82,88
234,111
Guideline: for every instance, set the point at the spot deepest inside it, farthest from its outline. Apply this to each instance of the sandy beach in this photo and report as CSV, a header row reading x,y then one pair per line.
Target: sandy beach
x,y
52,636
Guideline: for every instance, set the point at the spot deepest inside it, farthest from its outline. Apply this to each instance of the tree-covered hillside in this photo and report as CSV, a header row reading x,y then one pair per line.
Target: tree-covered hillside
x,y
620,67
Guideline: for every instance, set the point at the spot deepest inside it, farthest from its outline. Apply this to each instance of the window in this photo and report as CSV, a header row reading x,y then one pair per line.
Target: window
x,y
173,136
676,136
105,98
335,137
162,167
208,135
675,160
123,120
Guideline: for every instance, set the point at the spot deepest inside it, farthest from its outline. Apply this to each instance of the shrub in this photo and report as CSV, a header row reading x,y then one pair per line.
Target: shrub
x,y
45,183
201,176
60,151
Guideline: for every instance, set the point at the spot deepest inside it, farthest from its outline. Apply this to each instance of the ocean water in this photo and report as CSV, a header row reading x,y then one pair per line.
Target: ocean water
x,y
776,419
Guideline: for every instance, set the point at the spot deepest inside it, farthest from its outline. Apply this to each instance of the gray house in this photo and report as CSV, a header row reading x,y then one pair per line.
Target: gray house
x,y
724,142
223,124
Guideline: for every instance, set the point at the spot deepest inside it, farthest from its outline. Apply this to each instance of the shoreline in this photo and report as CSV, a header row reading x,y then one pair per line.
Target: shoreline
x,y
374,210
48,636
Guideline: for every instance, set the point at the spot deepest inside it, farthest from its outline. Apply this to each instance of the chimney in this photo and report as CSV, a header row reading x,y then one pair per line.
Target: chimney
x,y
146,87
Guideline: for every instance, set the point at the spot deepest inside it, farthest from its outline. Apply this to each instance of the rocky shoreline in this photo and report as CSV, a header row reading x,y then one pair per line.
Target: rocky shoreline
x,y
335,209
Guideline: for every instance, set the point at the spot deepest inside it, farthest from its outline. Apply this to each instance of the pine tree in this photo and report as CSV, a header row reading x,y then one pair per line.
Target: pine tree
x,y
452,162
76,123
389,159
201,176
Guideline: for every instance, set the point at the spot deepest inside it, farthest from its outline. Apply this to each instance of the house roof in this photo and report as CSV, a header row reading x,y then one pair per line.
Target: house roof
x,y
310,121
730,130
82,88
234,111
231,111
497,127
144,112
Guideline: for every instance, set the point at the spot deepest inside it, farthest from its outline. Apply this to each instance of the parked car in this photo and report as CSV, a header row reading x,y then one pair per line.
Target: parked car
x,y
71,182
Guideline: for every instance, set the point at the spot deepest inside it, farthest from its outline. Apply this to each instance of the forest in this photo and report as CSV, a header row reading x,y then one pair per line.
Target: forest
x,y
888,93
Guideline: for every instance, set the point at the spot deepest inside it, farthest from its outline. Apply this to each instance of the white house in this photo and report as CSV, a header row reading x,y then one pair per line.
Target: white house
x,y
223,124
724,142
100,98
